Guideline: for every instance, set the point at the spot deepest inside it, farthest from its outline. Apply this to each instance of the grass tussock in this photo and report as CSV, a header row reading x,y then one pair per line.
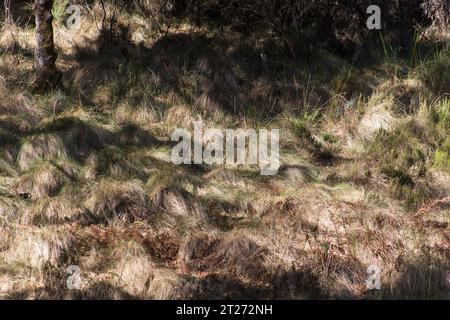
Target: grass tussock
x,y
111,201
36,248
40,147
52,211
45,179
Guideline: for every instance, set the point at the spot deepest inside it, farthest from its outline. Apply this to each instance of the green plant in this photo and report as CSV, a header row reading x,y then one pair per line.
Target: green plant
x,y
436,72
415,53
59,9
443,114
441,159
388,50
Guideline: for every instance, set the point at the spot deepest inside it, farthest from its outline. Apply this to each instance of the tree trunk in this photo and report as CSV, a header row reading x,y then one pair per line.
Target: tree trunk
x,y
45,56
7,5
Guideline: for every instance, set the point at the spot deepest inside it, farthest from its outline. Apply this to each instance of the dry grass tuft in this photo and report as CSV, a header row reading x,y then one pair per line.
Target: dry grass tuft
x,y
179,117
126,166
45,179
140,116
20,111
52,211
133,135
104,289
181,203
218,85
9,209
167,183
9,214
111,200
240,254
168,285
417,275
195,249
225,176
342,277
134,269
96,81
135,275
378,117
41,147
179,210
297,175
37,247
